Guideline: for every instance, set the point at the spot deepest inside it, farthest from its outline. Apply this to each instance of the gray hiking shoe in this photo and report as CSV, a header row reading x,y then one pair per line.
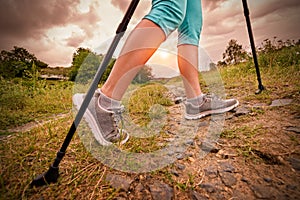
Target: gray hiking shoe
x,y
211,104
105,124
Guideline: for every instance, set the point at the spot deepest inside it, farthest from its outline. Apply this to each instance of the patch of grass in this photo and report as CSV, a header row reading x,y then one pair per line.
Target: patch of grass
x,y
145,145
245,137
81,174
241,81
229,134
25,155
142,100
147,109
247,142
21,102
294,139
3,133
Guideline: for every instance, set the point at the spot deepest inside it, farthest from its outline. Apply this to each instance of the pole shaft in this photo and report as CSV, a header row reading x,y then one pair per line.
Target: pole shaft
x,y
247,16
119,34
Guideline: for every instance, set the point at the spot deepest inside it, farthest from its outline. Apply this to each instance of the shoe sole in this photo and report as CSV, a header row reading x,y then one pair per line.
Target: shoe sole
x,y
90,119
211,112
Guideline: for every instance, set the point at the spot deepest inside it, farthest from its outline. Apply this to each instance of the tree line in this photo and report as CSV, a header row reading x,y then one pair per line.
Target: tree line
x,y
235,53
19,62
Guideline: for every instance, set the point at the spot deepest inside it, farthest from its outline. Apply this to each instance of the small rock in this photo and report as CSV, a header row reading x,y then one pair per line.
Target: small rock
x,y
180,156
211,172
180,166
259,105
140,192
227,167
196,196
203,124
228,179
244,179
241,195
208,187
262,192
226,154
229,116
242,111
208,147
161,191
119,182
295,129
291,187
268,179
295,163
179,150
189,154
189,142
139,188
174,172
281,102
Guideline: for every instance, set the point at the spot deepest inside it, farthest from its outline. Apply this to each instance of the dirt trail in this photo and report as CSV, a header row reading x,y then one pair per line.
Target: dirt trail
x,y
31,125
256,157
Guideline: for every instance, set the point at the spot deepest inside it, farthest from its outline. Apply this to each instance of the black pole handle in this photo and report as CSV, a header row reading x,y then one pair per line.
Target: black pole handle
x,y
123,25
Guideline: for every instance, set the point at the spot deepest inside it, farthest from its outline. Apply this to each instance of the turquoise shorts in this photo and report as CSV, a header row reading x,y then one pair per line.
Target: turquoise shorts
x,y
183,15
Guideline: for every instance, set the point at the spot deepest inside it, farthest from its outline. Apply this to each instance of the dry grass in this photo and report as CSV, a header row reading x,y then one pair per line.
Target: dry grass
x,y
26,154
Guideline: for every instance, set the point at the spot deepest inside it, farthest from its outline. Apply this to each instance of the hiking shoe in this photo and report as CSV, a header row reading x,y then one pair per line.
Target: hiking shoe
x,y
211,104
105,124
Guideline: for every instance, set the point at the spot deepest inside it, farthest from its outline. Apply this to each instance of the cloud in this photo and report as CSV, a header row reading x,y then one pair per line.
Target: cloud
x,y
53,29
75,40
21,20
265,8
27,23
141,10
121,4
28,18
225,20
210,5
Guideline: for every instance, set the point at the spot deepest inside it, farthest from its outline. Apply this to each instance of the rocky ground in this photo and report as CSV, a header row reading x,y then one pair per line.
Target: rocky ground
x,y
256,157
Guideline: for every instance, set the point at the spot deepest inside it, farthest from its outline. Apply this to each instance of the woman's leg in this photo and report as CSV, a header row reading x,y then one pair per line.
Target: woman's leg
x,y
165,16
188,66
188,41
139,47
197,104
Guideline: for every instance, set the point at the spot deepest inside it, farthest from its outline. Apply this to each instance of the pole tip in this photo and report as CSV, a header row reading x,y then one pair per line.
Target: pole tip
x,y
260,89
46,178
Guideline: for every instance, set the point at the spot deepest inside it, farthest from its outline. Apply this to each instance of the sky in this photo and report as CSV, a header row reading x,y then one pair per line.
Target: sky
x,y
52,30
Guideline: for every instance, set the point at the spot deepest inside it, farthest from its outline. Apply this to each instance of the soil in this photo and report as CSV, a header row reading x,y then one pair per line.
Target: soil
x,y
257,156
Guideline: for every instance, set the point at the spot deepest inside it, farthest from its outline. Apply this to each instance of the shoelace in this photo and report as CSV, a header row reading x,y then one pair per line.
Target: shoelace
x,y
211,97
118,117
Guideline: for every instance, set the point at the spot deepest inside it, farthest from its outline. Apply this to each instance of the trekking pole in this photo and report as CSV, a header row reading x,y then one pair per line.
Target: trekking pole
x,y
52,174
247,13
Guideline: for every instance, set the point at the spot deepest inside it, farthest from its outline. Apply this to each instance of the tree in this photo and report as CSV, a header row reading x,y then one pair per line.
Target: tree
x,y
234,53
14,63
108,70
144,75
78,58
85,65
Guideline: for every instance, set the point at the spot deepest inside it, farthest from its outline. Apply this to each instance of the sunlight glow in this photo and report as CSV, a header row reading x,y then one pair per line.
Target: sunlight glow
x,y
163,54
